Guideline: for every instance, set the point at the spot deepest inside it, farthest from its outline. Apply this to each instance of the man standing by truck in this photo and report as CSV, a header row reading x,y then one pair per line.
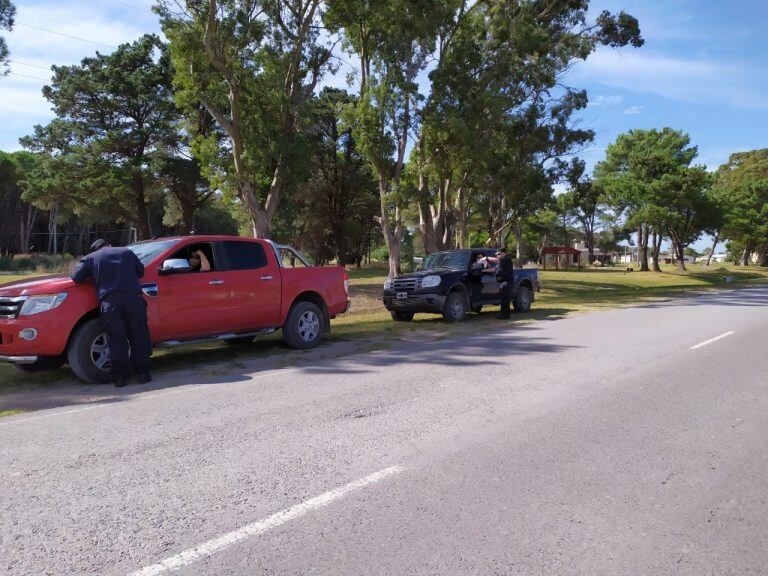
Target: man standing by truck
x,y
116,272
505,275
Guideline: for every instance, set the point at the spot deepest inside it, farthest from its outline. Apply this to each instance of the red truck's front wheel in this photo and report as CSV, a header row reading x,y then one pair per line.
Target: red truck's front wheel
x,y
88,354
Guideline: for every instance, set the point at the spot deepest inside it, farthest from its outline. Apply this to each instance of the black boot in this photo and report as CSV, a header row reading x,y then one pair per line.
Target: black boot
x,y
144,377
120,381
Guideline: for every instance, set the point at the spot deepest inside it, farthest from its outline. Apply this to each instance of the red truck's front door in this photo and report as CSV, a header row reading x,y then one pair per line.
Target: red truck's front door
x,y
255,283
195,303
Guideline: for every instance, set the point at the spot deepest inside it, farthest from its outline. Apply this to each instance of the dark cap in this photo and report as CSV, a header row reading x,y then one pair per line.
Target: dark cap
x,y
501,249
98,244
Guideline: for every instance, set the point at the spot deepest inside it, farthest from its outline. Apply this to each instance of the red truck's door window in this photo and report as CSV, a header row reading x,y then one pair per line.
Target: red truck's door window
x,y
255,284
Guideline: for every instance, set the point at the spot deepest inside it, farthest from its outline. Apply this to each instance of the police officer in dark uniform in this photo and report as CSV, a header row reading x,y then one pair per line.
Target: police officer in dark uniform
x,y
116,272
505,274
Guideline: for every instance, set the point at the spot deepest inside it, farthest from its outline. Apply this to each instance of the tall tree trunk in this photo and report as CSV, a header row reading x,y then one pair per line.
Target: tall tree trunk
x,y
656,243
393,232
714,245
746,254
642,247
680,254
519,240
140,203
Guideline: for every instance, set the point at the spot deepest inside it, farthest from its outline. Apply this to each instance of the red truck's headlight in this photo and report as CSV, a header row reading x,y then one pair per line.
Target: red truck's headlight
x,y
41,303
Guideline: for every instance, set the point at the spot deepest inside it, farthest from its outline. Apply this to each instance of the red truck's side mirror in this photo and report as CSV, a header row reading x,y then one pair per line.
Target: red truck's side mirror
x,y
174,266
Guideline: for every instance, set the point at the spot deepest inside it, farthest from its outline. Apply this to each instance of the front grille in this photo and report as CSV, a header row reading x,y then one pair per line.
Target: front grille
x,y
404,302
406,284
9,307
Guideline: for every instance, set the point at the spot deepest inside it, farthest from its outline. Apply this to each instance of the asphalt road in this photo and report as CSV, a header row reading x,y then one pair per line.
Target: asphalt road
x,y
624,442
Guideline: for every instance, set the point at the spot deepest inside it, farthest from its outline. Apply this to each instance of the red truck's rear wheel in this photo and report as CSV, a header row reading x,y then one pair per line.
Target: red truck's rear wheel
x,y
304,326
88,354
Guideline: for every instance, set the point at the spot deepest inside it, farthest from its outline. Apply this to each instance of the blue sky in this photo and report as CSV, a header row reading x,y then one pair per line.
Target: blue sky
x,y
701,70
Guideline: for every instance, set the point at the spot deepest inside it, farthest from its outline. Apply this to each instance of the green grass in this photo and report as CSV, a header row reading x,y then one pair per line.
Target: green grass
x,y
368,325
7,277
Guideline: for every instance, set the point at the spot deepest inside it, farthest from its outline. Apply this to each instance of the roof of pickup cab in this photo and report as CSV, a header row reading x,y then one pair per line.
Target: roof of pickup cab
x,y
203,238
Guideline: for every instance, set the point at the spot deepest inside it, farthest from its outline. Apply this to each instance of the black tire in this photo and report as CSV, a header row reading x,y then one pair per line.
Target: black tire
x,y
88,355
43,364
455,307
239,341
523,299
402,316
305,326
477,309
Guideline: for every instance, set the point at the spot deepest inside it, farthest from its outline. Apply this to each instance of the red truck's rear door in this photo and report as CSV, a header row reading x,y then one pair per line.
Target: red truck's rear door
x,y
255,283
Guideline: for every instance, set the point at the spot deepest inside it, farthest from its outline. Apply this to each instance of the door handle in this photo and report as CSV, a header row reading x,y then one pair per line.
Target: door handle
x,y
266,277
216,282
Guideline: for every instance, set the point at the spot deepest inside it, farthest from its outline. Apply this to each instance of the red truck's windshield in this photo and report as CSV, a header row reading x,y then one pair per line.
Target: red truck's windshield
x,y
147,251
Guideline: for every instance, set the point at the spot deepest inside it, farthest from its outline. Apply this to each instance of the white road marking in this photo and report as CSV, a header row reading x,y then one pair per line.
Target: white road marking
x,y
715,339
260,527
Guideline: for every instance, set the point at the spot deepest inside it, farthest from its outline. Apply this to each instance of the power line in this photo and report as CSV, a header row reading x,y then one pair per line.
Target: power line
x,y
12,73
30,65
65,35
134,6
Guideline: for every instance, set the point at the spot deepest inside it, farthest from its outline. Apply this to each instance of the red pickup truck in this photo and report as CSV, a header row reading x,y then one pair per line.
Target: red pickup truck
x,y
253,287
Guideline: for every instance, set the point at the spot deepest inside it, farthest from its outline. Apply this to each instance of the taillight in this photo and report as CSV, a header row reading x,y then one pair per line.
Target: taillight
x,y
346,282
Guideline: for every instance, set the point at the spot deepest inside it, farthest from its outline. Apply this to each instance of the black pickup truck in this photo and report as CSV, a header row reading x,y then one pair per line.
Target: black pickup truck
x,y
450,283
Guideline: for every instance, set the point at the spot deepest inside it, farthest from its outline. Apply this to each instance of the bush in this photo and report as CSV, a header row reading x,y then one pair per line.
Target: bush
x,y
48,263
380,254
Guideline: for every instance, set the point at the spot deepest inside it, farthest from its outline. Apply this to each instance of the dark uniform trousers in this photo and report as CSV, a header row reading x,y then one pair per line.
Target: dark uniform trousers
x,y
505,287
125,321
506,278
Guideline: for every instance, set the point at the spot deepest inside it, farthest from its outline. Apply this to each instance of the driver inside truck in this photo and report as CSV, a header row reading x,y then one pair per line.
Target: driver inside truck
x,y
198,262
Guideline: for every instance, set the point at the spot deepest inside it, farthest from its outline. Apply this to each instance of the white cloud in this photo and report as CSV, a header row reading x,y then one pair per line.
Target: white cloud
x,y
676,78
632,110
603,100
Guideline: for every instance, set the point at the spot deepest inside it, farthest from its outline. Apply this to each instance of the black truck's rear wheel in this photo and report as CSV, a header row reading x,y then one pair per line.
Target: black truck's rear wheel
x,y
523,299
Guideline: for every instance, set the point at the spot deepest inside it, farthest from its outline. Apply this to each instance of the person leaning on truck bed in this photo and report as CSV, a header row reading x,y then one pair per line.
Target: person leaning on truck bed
x,y
116,273
505,274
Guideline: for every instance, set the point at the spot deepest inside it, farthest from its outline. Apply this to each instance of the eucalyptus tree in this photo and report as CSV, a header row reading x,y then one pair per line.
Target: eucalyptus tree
x,y
393,41
499,112
253,64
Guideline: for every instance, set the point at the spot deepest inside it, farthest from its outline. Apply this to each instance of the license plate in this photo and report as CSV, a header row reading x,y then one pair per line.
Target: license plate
x,y
402,295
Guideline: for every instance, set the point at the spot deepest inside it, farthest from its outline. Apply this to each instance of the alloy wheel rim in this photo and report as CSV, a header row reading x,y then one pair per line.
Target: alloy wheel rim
x,y
309,326
100,352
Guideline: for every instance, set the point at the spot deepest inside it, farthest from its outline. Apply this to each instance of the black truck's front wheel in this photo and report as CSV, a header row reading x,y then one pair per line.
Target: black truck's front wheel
x,y
455,307
523,299
402,316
